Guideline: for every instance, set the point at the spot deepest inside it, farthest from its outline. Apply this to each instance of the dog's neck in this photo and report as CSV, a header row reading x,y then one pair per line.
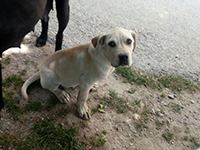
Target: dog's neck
x,y
100,59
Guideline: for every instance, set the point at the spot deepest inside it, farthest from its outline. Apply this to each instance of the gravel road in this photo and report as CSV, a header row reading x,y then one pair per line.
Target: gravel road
x,y
167,31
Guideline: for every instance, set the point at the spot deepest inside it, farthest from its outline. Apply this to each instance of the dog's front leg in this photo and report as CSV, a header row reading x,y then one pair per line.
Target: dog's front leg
x,y
84,111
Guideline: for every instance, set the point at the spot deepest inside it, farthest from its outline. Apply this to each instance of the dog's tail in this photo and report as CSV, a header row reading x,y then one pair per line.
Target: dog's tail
x,y
28,82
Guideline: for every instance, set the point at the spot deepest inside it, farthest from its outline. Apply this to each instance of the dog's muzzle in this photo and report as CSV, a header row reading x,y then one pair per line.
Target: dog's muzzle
x,y
123,59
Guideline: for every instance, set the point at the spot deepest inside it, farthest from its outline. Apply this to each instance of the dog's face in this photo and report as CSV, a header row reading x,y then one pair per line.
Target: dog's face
x,y
117,46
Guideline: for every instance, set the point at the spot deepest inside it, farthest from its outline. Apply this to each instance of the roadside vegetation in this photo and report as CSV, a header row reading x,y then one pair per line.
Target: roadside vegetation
x,y
45,133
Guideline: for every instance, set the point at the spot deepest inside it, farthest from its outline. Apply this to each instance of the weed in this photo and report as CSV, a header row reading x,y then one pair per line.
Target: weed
x,y
175,107
14,80
137,102
160,123
26,62
140,125
98,139
94,110
52,102
83,124
163,95
154,81
6,60
168,136
48,136
34,105
63,112
115,101
193,140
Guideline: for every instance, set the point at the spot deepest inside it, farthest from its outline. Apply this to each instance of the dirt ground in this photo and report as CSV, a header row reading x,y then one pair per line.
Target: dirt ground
x,y
121,128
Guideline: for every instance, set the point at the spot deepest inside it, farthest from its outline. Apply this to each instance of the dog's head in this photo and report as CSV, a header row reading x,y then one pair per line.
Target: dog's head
x,y
116,45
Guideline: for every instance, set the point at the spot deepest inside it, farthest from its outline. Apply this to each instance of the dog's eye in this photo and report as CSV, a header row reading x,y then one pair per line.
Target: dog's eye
x,y
128,41
112,44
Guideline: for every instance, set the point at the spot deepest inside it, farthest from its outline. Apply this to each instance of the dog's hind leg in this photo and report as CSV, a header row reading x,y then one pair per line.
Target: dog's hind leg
x,y
62,8
41,40
50,81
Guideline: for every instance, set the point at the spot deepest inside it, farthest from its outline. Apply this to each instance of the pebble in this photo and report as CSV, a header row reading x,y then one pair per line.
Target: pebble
x,y
153,111
193,102
171,96
160,114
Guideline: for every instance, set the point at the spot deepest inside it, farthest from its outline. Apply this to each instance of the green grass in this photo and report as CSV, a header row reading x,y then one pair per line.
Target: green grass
x,y
160,123
176,108
43,135
154,81
118,103
13,80
168,136
33,106
98,139
11,88
194,141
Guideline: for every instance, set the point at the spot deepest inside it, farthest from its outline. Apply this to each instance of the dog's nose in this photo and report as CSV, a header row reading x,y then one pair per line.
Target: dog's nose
x,y
123,56
123,59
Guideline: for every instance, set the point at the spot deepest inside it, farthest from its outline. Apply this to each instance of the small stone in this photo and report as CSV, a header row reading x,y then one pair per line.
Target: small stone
x,y
171,96
130,144
193,102
177,56
153,111
186,116
136,116
160,114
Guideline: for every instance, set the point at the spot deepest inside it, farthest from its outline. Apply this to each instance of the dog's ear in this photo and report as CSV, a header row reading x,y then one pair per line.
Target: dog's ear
x,y
95,41
99,39
134,37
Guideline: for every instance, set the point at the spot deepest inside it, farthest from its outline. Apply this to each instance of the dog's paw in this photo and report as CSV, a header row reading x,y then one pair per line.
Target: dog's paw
x,y
40,42
63,97
84,112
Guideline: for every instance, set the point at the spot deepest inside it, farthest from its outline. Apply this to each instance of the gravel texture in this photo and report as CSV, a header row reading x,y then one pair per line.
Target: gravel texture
x,y
168,37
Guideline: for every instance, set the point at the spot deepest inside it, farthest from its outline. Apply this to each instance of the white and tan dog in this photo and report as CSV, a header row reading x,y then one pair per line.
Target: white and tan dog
x,y
84,65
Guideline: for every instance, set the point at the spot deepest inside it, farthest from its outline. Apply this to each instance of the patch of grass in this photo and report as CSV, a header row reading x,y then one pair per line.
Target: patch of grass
x,y
145,114
8,140
137,102
14,80
63,112
94,110
34,106
48,136
6,60
83,124
140,125
52,103
194,140
12,86
115,102
168,136
26,62
172,82
98,139
175,107
137,77
160,123
163,95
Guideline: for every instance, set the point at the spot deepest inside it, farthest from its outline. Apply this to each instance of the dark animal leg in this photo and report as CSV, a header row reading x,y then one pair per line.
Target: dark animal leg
x,y
41,40
1,95
62,8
